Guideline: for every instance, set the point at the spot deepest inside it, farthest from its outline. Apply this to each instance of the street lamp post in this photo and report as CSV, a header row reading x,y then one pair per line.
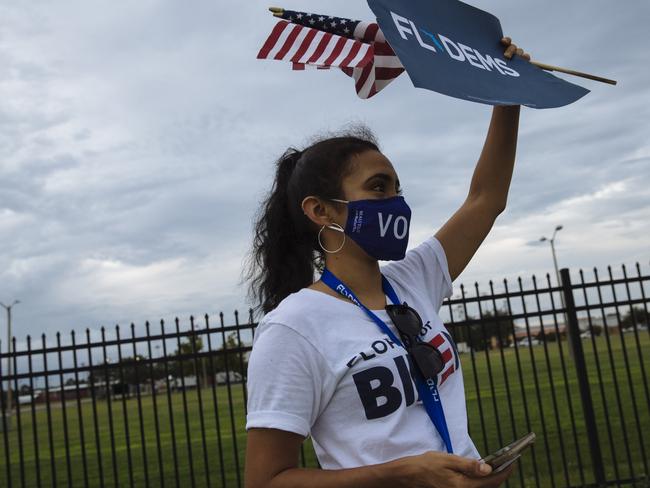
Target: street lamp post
x,y
9,400
557,277
552,242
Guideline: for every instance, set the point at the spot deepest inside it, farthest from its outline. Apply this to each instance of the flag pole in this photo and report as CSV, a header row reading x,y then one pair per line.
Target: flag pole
x,y
549,67
277,12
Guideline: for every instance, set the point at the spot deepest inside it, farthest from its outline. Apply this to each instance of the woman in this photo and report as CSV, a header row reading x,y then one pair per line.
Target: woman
x,y
360,359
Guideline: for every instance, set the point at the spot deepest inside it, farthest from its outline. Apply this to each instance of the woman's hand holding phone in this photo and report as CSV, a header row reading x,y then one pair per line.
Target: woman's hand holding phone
x,y
441,470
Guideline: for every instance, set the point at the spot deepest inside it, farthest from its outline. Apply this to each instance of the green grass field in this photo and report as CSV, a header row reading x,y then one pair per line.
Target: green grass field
x,y
504,415
629,420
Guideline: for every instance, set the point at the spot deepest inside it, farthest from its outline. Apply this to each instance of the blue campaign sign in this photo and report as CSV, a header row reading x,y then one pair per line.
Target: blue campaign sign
x,y
453,48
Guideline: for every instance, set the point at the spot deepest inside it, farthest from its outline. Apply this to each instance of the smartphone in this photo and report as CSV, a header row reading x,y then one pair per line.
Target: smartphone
x,y
505,456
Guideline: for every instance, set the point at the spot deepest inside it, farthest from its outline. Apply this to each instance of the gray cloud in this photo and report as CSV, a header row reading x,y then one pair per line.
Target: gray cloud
x,y
136,142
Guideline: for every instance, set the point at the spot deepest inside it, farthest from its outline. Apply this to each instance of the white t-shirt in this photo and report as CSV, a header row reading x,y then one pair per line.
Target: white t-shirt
x,y
321,367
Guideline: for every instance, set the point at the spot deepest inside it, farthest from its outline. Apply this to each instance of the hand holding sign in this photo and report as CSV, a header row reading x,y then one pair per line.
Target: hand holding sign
x,y
512,49
452,48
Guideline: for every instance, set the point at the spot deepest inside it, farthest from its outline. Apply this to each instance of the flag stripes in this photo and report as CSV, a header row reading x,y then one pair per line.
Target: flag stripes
x,y
303,45
384,68
359,49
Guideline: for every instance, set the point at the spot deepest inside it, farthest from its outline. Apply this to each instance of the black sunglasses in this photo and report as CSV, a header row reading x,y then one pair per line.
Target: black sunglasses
x,y
426,356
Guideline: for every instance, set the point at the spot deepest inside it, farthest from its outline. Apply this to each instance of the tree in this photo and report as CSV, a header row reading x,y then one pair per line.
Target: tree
x,y
185,366
479,333
229,357
636,315
103,373
133,370
193,343
498,324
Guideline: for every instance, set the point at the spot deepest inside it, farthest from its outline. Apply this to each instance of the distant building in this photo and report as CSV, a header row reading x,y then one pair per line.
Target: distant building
x,y
611,320
584,324
67,392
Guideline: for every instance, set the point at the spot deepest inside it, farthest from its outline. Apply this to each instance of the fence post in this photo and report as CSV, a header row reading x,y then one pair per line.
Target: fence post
x,y
575,344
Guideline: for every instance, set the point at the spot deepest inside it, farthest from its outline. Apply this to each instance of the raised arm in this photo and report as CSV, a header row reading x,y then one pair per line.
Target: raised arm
x,y
464,232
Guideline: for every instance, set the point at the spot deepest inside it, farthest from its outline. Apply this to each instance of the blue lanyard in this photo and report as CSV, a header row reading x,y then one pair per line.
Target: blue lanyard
x,y
428,390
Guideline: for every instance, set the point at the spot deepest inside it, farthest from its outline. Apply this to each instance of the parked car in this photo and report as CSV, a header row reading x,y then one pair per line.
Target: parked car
x,y
526,342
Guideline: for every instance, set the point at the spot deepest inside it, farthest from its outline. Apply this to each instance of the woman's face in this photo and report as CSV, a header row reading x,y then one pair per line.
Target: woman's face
x,y
372,177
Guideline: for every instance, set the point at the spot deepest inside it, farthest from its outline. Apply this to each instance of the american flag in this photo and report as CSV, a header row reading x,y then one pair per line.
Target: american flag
x,y
358,48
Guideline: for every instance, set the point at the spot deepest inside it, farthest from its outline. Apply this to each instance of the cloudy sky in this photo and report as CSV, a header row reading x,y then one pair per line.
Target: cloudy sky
x,y
138,138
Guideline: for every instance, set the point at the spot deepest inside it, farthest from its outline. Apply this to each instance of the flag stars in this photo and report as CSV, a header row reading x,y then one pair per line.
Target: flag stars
x,y
340,28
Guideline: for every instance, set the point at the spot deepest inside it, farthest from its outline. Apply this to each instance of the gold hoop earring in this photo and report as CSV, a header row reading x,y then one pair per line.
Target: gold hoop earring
x,y
338,228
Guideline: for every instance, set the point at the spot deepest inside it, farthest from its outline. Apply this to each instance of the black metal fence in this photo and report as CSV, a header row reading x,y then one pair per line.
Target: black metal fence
x,y
164,407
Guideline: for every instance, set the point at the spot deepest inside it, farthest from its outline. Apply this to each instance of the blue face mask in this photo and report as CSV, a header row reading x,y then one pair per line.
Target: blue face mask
x,y
379,227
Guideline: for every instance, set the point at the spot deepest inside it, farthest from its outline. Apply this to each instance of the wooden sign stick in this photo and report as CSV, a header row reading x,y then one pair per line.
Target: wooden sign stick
x,y
277,12
549,67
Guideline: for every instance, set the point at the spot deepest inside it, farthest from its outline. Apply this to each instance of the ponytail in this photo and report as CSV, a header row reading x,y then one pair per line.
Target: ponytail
x,y
285,250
